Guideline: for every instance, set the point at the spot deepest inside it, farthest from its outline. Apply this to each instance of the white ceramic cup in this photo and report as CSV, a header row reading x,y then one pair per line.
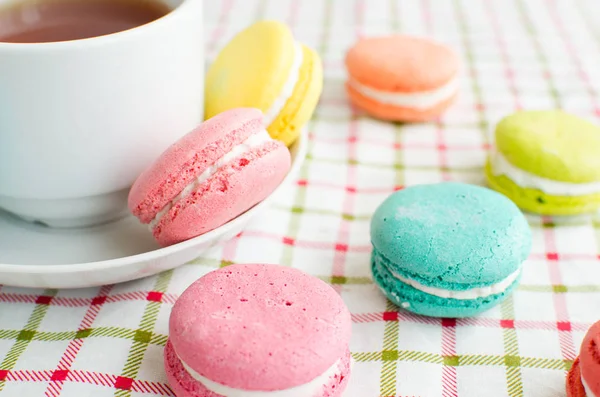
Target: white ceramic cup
x,y
80,120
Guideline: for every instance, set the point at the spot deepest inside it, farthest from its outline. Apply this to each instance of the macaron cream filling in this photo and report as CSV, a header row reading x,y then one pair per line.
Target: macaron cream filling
x,y
288,88
416,100
588,390
311,388
501,166
246,146
473,293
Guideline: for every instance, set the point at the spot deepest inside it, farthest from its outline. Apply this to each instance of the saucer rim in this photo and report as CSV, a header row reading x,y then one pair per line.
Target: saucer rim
x,y
299,150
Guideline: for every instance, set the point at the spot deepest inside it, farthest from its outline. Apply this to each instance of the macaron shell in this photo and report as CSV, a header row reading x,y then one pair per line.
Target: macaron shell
x,y
251,70
419,302
289,327
185,386
574,386
551,144
300,106
182,384
589,357
414,228
232,190
189,157
538,202
401,63
396,113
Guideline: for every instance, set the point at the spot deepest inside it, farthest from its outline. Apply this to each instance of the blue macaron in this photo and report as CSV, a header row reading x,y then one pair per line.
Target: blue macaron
x,y
448,249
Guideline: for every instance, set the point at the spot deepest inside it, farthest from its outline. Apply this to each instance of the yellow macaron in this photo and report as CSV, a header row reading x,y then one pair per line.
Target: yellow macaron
x,y
264,67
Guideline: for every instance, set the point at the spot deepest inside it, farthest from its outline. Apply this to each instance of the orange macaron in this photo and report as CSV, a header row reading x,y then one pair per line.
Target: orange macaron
x,y
402,78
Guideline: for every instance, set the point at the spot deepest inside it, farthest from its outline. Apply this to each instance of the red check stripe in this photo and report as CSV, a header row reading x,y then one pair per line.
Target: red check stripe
x,y
567,346
55,386
94,378
81,302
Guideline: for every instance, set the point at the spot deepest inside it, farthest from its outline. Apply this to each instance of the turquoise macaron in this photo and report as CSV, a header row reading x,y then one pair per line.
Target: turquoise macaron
x,y
448,249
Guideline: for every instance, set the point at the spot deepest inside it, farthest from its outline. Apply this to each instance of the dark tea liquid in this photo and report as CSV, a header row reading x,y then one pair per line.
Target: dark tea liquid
x,y
44,21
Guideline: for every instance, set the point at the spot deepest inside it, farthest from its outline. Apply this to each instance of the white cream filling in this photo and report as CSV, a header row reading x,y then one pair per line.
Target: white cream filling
x,y
244,147
588,391
416,100
501,166
309,389
474,293
288,87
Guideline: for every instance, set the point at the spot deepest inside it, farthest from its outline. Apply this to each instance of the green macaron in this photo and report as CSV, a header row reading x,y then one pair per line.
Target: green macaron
x,y
547,162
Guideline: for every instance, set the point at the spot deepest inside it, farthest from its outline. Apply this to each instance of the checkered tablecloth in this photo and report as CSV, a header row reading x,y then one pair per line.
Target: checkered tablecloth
x,y
516,54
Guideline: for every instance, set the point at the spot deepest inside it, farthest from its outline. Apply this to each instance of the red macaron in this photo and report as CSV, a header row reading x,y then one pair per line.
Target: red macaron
x,y
583,380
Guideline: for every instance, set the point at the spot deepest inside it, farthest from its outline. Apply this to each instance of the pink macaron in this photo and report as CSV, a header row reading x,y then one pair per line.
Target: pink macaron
x,y
258,330
213,174
583,380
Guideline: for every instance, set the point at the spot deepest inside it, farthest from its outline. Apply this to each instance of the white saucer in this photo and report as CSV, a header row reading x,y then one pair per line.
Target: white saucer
x,y
39,257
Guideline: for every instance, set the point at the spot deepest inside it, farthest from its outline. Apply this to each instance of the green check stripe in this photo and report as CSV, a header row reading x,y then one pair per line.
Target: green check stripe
x,y
10,334
399,355
480,360
514,382
158,339
52,336
545,363
113,332
25,336
389,369
335,280
143,336
463,360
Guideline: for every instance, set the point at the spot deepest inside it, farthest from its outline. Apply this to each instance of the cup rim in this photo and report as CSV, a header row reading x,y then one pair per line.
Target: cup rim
x,y
104,39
